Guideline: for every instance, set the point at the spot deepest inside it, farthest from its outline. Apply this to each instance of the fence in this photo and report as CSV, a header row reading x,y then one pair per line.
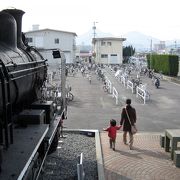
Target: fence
x,y
123,80
139,90
115,94
130,85
142,93
109,85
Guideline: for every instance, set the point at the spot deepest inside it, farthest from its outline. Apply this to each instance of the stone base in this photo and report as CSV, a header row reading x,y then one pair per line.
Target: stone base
x,y
177,158
162,139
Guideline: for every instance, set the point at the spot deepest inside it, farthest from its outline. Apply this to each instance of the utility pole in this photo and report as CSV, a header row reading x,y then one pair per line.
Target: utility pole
x,y
175,47
94,29
94,35
151,54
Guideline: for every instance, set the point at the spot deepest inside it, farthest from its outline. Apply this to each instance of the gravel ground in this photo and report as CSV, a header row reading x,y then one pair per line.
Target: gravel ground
x,y
62,164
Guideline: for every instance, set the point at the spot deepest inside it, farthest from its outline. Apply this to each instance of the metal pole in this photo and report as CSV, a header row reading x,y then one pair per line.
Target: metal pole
x,y
94,29
151,55
94,34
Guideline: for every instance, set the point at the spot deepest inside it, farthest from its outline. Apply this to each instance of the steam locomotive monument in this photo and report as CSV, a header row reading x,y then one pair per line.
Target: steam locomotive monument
x,y
32,102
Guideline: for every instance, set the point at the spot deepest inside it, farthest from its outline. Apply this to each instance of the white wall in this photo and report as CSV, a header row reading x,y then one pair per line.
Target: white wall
x,y
113,51
46,40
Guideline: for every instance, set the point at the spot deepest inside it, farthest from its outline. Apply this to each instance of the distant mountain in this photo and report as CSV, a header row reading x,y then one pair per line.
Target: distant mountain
x,y
142,42
139,41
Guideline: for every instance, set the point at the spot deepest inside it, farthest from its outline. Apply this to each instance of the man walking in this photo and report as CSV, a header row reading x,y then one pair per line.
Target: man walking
x,y
128,118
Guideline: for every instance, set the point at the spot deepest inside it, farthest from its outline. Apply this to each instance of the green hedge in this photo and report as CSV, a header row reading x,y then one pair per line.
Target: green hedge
x,y
167,64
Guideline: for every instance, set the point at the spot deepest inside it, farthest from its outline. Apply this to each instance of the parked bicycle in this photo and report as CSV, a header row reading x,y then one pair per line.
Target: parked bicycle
x,y
105,88
89,78
69,95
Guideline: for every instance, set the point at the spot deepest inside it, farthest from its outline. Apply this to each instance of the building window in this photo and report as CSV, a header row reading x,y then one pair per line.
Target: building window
x,y
113,54
104,56
29,39
103,43
109,43
56,41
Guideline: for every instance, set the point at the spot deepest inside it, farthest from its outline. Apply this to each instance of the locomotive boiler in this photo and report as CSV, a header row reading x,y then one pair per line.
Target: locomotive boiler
x,y
28,123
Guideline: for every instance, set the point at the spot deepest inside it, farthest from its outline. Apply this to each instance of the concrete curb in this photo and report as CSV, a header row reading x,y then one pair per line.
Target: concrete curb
x,y
100,162
172,79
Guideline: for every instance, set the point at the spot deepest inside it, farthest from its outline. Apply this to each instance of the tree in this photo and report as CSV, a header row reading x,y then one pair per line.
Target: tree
x,y
128,51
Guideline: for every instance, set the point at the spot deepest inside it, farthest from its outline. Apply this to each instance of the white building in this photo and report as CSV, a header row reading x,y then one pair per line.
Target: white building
x,y
108,50
160,48
46,39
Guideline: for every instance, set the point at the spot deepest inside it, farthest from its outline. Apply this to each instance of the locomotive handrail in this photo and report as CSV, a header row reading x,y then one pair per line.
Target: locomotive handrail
x,y
35,50
19,77
6,103
24,70
27,63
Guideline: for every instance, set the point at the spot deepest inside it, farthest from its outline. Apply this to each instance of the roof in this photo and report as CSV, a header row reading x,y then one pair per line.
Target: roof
x,y
42,30
108,38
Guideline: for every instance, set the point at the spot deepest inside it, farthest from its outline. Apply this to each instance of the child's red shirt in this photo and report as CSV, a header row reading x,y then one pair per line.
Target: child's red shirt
x,y
112,130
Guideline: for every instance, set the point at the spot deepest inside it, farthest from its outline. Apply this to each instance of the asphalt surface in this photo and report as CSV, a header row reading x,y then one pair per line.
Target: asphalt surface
x,y
92,108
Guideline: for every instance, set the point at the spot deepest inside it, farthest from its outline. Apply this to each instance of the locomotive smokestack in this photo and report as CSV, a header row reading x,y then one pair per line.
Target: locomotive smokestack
x,y
17,14
8,30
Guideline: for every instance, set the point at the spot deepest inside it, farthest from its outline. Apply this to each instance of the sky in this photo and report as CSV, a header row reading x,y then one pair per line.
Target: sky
x,y
156,18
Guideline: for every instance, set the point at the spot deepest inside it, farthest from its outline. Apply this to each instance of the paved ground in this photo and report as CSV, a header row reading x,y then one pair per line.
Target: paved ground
x,y
148,161
92,108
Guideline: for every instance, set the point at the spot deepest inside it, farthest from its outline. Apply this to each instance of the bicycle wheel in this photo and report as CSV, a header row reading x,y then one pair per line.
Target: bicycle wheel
x,y
105,89
71,96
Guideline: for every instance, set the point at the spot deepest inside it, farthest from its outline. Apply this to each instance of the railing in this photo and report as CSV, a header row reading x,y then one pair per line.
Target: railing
x,y
143,94
130,85
115,94
123,80
109,85
140,91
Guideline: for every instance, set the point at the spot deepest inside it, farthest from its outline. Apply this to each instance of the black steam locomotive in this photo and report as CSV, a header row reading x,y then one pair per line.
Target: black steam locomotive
x,y
28,124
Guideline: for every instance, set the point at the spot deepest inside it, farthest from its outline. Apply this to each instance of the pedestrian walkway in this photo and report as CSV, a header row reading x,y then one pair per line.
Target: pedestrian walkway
x,y
147,161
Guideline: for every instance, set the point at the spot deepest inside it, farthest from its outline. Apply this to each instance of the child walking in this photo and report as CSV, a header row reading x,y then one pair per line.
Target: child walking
x,y
112,131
